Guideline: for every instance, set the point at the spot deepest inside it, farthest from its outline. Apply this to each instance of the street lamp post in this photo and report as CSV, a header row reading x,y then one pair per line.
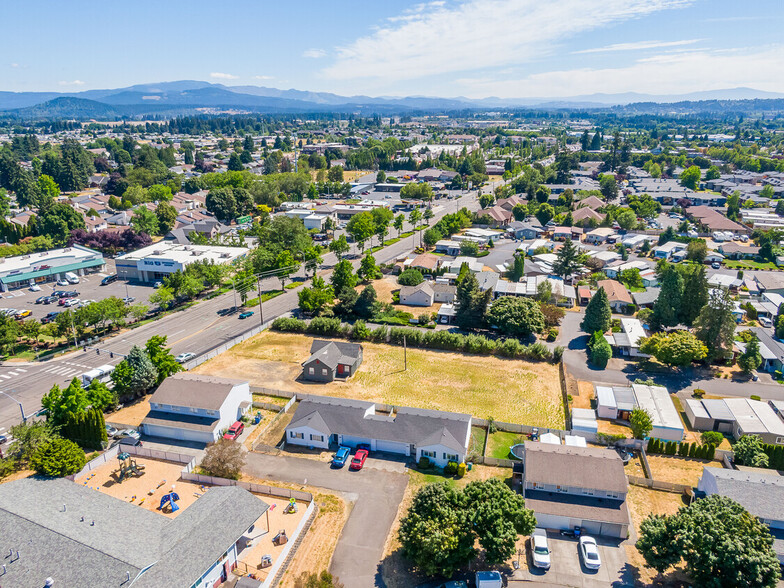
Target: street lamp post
x,y
261,308
21,408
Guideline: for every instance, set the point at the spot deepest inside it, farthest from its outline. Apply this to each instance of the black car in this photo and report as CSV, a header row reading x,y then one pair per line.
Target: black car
x,y
49,318
71,294
51,299
108,280
41,299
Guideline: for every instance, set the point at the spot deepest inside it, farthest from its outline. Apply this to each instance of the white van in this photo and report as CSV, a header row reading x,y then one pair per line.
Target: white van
x,y
71,278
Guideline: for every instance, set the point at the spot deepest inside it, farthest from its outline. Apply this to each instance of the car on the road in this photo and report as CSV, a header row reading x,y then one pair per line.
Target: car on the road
x,y
22,314
130,433
227,311
34,288
589,551
246,314
234,431
63,283
765,321
108,280
129,299
716,265
359,459
111,431
341,456
540,550
183,357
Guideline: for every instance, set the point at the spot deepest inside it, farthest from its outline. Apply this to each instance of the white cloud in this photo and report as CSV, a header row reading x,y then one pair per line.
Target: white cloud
x,y
72,83
476,34
760,68
638,46
314,53
14,65
264,78
223,76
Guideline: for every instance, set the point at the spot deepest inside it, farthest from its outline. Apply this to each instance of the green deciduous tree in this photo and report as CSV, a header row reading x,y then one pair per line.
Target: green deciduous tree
x,y
339,246
343,276
722,544
361,227
749,451
145,220
690,177
314,299
410,277
368,270
751,359
678,348
598,314
640,422
697,250
61,403
161,357
516,316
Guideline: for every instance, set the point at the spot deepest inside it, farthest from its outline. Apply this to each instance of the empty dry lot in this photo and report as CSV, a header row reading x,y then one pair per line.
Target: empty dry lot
x,y
508,390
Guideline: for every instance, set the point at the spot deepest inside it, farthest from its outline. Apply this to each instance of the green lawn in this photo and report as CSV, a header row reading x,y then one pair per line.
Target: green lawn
x,y
750,264
499,443
478,435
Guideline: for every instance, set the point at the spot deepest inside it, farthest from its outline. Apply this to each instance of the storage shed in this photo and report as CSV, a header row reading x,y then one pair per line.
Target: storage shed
x,y
584,419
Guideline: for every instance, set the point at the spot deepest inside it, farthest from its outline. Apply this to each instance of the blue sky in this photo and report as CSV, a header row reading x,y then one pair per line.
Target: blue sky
x,y
474,48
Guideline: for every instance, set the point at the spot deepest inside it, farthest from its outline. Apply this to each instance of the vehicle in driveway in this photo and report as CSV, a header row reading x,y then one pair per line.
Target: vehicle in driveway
x,y
183,357
246,314
488,579
540,550
234,431
131,433
111,431
131,441
716,265
765,321
359,459
589,552
341,456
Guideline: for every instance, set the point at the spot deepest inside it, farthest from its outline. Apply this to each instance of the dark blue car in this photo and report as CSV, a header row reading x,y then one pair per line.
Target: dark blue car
x,y
341,457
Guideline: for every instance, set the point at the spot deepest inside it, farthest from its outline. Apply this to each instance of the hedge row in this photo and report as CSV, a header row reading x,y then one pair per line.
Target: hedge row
x,y
443,340
775,455
683,449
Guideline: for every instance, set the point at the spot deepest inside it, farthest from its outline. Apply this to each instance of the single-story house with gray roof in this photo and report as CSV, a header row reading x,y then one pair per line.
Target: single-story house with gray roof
x,y
759,493
332,359
322,421
69,533
420,295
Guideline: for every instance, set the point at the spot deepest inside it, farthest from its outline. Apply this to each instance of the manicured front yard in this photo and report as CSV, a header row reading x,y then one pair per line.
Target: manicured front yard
x,y
750,264
513,391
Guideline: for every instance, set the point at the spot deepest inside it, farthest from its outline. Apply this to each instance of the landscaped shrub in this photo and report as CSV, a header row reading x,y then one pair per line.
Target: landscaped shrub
x,y
558,352
424,463
289,325
451,468
410,277
324,326
552,333
693,450
360,331
698,393
711,437
379,335
608,439
461,470
58,458
710,451
754,397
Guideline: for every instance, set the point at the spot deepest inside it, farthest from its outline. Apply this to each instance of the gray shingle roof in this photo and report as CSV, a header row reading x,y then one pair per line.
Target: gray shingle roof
x,y
195,391
358,419
125,538
583,467
332,353
760,494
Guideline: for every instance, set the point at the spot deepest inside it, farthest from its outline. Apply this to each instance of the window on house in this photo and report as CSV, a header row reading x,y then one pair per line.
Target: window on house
x,y
779,440
431,454
324,371
294,435
559,488
311,371
613,495
588,491
317,437
450,457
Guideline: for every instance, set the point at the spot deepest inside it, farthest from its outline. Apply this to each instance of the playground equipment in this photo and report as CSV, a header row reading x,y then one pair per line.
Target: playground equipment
x,y
266,561
170,499
128,467
281,538
291,507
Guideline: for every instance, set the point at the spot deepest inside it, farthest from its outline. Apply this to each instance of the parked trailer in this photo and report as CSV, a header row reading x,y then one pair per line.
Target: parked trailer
x,y
102,374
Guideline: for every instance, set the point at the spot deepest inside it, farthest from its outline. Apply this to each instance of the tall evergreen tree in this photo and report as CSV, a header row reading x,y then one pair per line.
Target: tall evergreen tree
x,y
715,326
598,314
472,303
695,293
666,310
568,260
145,375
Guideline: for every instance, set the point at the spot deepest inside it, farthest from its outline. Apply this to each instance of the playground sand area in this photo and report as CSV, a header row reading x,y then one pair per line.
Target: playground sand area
x,y
137,490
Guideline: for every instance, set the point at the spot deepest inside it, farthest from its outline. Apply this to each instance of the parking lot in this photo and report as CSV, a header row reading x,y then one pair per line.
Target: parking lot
x,y
567,569
88,288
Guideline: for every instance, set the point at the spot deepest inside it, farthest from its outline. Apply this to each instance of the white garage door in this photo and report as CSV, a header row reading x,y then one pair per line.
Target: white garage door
x,y
592,527
547,521
350,441
392,447
611,530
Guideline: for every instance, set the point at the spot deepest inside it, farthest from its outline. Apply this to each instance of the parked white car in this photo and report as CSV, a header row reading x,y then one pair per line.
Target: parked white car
x,y
590,553
540,551
765,321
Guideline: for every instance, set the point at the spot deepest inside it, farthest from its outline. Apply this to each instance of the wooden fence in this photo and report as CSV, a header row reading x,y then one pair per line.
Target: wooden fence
x,y
659,485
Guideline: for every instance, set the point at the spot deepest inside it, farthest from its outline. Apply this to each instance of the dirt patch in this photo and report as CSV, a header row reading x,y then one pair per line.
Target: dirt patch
x,y
17,476
383,287
642,502
611,428
584,395
634,467
512,391
272,434
679,470
130,414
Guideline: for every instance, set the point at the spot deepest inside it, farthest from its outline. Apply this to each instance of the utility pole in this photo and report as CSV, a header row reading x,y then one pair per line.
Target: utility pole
x,y
405,354
261,308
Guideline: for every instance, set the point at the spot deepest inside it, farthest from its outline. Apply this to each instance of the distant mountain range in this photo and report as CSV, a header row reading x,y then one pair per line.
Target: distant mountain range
x,y
189,97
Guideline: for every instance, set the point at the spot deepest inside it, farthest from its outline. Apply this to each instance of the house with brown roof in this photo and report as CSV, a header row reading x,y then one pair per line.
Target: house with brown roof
x,y
499,216
617,294
585,216
568,486
591,202
195,407
426,262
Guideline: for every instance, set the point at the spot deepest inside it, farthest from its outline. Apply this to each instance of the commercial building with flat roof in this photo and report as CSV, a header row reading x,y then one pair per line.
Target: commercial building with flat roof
x,y
738,416
44,266
157,261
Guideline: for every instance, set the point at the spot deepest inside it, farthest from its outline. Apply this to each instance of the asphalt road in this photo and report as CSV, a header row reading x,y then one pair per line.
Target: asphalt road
x,y
197,329
376,495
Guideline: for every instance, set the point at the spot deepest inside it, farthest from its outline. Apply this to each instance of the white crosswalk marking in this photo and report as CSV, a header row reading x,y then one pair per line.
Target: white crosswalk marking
x,y
13,373
20,370
5,377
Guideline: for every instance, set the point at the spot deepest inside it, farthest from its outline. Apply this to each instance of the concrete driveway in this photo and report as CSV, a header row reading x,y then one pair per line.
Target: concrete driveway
x,y
376,494
566,567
